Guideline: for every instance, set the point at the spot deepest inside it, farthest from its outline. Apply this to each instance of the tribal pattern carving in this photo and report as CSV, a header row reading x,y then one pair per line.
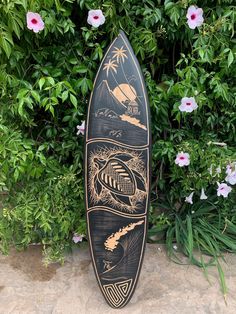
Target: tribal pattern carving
x,y
117,292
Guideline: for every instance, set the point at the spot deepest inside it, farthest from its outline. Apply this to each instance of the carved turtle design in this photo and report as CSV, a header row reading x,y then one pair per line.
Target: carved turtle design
x,y
118,178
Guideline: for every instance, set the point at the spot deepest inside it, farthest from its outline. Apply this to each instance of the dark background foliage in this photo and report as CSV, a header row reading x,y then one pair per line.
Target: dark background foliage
x,y
45,83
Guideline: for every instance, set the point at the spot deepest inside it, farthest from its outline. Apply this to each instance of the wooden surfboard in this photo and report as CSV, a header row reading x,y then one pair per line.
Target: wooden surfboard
x,y
117,172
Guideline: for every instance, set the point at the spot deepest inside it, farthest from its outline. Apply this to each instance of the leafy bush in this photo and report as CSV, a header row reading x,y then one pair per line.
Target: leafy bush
x,y
45,83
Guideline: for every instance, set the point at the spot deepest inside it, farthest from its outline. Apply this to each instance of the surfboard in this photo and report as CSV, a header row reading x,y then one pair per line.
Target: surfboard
x,y
117,172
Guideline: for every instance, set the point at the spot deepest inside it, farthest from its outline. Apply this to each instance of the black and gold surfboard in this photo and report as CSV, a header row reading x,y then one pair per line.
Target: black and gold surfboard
x,y
117,172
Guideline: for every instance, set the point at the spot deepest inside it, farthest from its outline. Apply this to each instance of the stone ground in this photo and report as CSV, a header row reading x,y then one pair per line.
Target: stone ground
x,y
27,287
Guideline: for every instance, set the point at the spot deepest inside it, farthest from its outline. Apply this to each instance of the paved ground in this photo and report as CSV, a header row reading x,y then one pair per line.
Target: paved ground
x,y
27,287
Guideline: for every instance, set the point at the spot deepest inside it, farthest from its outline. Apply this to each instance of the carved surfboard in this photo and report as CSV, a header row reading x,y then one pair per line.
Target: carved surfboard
x,y
117,172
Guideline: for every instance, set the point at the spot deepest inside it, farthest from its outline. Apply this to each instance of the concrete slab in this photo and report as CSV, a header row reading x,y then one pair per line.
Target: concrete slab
x,y
27,287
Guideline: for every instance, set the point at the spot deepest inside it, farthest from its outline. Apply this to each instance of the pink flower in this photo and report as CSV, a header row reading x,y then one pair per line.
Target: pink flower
x,y
182,159
231,168
78,238
223,189
81,128
95,18
231,178
188,104
203,195
231,173
228,169
194,16
34,22
189,199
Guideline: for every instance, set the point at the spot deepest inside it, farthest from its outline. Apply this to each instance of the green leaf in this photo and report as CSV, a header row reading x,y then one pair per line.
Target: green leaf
x,y
58,90
22,2
222,279
230,58
189,237
15,27
175,15
16,174
201,53
51,80
66,118
51,109
41,82
168,4
6,46
73,100
64,95
79,69
22,92
35,95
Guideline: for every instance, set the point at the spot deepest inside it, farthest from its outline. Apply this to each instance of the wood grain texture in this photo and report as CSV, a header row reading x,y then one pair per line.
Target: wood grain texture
x,y
117,172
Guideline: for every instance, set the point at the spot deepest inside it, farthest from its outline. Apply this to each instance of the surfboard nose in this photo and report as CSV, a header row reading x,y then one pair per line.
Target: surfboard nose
x,y
122,33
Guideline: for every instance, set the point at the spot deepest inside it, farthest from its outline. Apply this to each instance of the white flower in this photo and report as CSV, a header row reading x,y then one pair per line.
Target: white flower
x,y
95,18
78,238
81,128
231,178
188,104
223,189
203,195
182,159
194,16
175,247
216,172
189,199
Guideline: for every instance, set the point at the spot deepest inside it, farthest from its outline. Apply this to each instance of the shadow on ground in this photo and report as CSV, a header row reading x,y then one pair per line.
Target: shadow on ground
x,y
29,262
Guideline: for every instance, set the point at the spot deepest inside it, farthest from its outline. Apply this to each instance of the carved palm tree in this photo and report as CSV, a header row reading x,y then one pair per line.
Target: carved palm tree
x,y
111,66
120,55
